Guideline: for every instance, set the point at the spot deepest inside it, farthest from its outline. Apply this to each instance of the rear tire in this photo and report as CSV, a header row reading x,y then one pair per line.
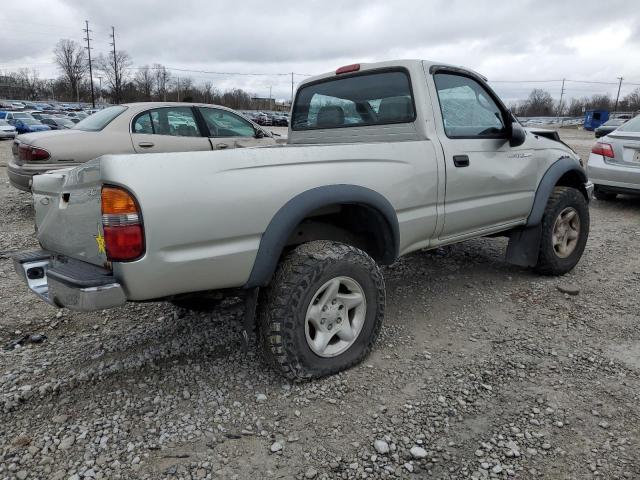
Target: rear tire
x,y
323,310
603,194
565,229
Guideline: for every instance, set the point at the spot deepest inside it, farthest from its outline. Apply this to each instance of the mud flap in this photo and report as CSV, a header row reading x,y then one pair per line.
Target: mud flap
x,y
524,246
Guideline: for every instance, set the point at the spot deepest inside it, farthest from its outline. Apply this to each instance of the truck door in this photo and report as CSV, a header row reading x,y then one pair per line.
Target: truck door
x,y
167,129
489,184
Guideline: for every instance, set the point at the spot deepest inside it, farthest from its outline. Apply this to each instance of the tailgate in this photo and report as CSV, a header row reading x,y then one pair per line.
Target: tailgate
x,y
68,212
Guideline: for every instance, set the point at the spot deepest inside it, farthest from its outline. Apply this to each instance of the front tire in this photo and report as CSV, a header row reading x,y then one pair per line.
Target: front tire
x,y
565,229
323,310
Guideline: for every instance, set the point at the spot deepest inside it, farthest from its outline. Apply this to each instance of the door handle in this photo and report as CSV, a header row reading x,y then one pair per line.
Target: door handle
x,y
461,160
221,146
145,144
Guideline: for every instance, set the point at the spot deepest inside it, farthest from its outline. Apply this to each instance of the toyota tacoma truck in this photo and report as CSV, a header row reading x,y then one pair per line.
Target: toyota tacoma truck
x,y
382,159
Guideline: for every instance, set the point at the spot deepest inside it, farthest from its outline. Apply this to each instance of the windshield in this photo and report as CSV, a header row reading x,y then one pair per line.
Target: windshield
x,y
632,125
99,120
21,115
30,121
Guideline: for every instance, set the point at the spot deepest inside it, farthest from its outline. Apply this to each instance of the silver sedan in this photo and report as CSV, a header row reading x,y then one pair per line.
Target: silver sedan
x,y
614,163
150,127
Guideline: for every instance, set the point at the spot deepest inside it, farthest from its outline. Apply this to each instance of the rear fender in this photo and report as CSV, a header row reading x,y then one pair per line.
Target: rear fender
x,y
299,207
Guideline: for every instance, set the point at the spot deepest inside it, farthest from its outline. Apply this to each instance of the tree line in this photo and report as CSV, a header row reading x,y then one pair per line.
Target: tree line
x,y
121,82
540,103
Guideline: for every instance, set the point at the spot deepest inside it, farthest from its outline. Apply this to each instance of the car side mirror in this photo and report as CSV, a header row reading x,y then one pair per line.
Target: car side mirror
x,y
260,133
518,135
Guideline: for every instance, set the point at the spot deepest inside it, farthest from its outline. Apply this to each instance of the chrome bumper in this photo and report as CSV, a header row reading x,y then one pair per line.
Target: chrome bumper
x,y
73,284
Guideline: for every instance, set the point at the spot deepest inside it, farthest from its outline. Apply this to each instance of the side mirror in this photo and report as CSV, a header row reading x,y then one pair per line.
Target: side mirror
x,y
259,133
518,135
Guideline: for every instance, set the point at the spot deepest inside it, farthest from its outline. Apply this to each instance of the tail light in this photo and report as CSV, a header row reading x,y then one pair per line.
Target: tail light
x,y
122,225
604,149
28,152
354,67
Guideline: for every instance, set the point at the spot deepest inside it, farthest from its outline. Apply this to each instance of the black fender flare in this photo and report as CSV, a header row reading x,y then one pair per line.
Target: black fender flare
x,y
296,209
524,243
547,184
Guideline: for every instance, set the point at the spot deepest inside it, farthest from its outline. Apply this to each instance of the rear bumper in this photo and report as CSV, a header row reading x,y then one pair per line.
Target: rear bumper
x,y
70,283
614,177
20,175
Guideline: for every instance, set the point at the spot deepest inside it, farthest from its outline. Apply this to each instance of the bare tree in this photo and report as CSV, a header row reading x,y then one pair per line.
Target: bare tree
x,y
144,81
539,103
29,80
207,92
71,59
162,79
632,100
115,69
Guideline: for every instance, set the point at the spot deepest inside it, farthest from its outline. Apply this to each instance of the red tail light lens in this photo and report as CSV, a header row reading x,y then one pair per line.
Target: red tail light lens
x,y
604,149
124,243
29,153
122,225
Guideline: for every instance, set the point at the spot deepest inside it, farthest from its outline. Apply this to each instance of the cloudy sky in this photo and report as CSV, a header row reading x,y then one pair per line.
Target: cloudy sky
x,y
521,40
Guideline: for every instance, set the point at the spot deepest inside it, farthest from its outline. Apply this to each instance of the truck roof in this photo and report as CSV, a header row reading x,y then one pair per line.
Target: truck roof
x,y
409,64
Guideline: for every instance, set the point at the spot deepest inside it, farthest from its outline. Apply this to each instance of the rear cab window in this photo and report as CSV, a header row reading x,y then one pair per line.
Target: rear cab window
x,y
375,97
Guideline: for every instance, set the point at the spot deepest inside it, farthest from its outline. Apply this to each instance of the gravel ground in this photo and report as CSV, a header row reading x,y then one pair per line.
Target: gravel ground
x,y
483,370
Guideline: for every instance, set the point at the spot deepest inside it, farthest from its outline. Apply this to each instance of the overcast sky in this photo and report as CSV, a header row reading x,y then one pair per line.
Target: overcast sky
x,y
517,40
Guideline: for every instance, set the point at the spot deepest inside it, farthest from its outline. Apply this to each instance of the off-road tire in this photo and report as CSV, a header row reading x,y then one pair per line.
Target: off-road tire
x,y
603,194
283,306
549,263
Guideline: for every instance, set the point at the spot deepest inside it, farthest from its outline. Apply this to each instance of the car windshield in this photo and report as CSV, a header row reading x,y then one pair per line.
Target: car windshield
x,y
632,125
99,120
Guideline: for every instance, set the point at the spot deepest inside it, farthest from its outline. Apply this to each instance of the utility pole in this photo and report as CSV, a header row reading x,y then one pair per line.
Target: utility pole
x,y
615,109
561,97
292,88
100,87
116,75
88,39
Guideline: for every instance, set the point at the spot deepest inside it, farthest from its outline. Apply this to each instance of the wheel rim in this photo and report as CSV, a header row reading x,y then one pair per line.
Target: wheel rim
x,y
566,232
335,317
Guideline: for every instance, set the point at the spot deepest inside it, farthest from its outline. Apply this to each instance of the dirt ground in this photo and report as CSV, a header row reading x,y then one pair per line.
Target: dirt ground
x,y
483,370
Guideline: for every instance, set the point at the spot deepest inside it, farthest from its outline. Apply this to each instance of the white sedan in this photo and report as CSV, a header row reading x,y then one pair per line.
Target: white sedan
x,y
7,130
150,127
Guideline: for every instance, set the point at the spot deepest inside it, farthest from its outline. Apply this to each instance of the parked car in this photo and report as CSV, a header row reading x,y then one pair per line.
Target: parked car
x,y
135,128
608,126
7,130
263,119
434,158
614,163
29,125
11,116
58,123
280,120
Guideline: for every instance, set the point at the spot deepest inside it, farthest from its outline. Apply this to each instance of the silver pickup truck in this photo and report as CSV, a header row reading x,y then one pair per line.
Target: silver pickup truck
x,y
382,159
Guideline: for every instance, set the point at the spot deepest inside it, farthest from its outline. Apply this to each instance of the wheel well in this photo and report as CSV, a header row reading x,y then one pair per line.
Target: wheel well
x,y
359,225
574,179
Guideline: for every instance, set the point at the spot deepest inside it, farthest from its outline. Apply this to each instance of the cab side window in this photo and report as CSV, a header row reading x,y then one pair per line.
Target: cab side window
x,y
468,111
226,124
173,121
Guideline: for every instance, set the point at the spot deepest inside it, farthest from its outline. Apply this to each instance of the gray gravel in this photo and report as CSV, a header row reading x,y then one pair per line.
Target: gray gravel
x,y
483,370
